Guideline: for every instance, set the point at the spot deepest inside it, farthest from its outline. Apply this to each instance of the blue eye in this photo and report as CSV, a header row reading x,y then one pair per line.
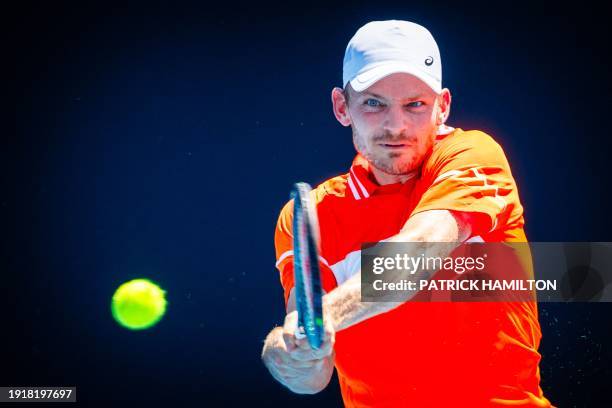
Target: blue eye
x,y
372,102
415,104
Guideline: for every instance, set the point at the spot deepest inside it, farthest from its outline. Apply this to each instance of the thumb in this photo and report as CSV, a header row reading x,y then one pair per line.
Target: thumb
x,y
289,328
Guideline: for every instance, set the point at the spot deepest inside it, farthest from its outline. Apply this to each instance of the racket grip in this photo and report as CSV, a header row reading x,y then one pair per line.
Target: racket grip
x,y
300,333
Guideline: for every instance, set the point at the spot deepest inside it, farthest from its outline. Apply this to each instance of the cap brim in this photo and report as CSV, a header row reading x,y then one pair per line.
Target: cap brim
x,y
366,79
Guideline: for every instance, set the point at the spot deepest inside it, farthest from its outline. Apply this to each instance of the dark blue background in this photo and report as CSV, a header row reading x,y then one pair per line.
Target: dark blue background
x,y
161,141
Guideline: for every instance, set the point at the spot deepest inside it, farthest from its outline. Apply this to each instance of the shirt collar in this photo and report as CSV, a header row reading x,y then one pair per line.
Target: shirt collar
x,y
360,179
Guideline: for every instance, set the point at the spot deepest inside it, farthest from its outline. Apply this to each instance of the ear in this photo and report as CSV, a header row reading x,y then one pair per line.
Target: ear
x,y
444,105
340,106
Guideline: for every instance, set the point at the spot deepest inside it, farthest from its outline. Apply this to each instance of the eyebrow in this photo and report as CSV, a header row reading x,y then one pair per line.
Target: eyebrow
x,y
366,93
411,97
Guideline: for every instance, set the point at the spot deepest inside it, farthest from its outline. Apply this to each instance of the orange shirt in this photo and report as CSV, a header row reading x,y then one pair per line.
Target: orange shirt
x,y
427,354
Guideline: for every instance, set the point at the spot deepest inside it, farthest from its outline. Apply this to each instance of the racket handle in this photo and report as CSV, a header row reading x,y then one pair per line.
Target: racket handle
x,y
300,333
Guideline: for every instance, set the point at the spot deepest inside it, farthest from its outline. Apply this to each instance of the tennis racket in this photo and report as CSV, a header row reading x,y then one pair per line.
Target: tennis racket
x,y
308,292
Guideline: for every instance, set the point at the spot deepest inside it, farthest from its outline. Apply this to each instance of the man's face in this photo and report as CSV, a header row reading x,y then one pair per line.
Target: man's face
x,y
394,122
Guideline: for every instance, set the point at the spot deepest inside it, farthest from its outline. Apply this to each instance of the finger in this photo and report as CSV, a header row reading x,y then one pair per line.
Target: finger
x,y
297,369
303,364
302,343
289,328
310,354
303,350
281,374
293,369
318,365
289,340
286,359
326,348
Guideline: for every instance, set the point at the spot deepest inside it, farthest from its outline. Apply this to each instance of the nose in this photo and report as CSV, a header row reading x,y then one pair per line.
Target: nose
x,y
395,121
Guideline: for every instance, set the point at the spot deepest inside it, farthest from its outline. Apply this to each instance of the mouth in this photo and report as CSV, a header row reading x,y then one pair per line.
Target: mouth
x,y
394,146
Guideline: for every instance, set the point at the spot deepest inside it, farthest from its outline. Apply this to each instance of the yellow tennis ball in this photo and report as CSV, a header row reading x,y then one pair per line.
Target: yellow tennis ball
x,y
138,304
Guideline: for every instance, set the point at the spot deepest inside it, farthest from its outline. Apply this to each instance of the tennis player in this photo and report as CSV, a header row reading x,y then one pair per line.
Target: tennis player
x,y
414,179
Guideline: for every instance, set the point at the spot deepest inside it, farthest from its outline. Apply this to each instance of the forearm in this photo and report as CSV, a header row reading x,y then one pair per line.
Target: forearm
x,y
345,307
344,302
438,236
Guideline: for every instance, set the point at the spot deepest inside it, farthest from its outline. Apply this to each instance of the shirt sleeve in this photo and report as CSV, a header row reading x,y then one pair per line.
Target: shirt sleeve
x,y
283,242
470,172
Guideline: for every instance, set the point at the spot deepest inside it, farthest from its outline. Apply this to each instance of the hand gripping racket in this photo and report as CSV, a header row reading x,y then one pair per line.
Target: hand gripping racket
x,y
308,292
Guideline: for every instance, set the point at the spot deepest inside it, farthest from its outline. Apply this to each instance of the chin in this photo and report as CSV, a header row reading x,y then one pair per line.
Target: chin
x,y
400,171
395,168
399,167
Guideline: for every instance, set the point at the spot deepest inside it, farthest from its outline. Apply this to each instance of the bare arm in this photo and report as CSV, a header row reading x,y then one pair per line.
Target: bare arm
x,y
344,304
306,371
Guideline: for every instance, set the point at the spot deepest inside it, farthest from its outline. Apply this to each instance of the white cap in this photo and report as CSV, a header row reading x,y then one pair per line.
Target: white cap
x,y
382,48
